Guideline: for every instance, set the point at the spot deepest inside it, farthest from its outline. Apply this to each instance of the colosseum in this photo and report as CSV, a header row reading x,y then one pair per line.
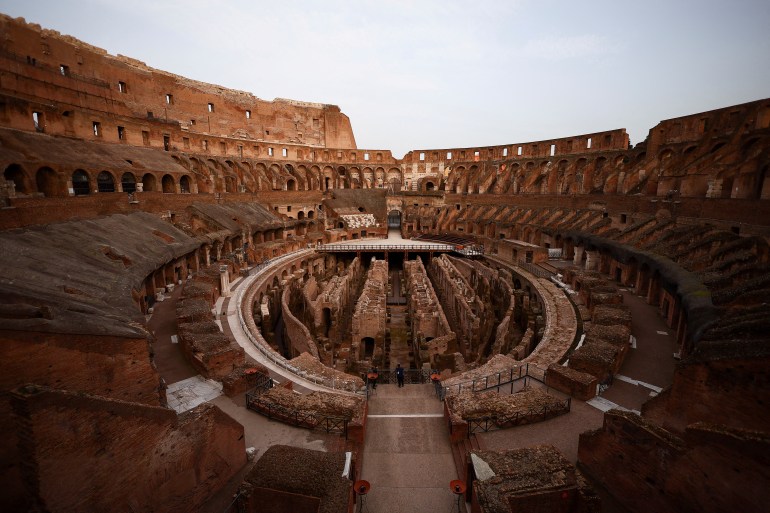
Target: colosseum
x,y
212,302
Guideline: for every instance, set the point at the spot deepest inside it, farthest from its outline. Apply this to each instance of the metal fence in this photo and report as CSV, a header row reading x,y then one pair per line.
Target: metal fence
x,y
497,380
411,376
534,414
386,247
295,417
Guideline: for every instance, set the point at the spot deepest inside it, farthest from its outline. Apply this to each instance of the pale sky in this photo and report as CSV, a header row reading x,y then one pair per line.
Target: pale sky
x,y
415,74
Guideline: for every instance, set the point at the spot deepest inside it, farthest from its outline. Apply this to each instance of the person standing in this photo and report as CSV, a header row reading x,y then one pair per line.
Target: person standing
x,y
400,375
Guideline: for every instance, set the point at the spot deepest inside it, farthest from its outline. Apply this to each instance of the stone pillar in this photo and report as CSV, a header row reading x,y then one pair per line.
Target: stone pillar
x,y
224,277
592,260
578,255
207,255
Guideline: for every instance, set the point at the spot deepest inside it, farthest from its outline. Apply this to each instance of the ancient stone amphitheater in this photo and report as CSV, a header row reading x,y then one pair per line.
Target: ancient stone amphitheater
x,y
141,208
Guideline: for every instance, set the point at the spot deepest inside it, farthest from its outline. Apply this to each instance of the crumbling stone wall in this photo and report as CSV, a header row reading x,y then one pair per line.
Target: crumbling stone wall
x,y
431,333
500,330
336,296
296,335
465,309
370,312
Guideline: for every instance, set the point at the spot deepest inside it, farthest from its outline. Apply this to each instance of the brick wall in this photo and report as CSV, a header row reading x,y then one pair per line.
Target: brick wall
x,y
87,453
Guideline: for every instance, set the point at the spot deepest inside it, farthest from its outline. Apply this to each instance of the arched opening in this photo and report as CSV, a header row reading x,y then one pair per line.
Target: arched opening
x,y
763,183
300,215
81,185
184,185
46,181
149,183
291,185
105,182
394,219
229,184
368,345
128,182
311,214
429,186
327,321
15,173
168,184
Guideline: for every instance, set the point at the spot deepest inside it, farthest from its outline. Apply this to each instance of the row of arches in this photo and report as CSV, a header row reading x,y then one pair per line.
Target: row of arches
x,y
82,182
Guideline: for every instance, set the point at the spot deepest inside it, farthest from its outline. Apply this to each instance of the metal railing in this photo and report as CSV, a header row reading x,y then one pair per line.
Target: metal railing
x,y
296,417
535,269
524,372
385,247
534,414
411,376
259,342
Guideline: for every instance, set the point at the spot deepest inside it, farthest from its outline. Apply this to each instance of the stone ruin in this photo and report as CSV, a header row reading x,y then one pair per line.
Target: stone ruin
x,y
109,207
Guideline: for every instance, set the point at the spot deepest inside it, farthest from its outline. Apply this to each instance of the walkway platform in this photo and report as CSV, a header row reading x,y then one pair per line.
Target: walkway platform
x,y
408,459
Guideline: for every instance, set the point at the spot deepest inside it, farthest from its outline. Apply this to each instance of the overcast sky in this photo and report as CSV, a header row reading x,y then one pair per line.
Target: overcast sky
x,y
415,74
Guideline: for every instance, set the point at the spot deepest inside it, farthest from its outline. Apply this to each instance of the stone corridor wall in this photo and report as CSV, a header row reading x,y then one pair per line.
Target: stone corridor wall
x,y
370,312
431,333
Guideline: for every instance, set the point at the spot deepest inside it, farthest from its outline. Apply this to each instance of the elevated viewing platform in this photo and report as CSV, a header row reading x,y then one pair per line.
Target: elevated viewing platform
x,y
395,242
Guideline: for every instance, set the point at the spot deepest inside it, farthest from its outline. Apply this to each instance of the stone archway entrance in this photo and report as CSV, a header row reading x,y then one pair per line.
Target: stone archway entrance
x,y
394,219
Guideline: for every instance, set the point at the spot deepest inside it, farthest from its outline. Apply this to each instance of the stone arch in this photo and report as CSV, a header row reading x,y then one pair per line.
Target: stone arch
x,y
47,182
664,155
276,177
149,182
379,177
291,184
367,178
394,218
168,184
328,181
128,182
314,178
105,182
231,183
343,178
763,183
354,178
260,175
184,184
81,183
16,174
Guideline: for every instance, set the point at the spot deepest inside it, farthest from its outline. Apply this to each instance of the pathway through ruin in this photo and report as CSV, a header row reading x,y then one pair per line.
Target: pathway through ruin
x,y
407,455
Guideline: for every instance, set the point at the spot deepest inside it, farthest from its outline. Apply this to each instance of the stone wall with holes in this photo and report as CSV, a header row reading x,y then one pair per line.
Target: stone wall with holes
x,y
93,86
